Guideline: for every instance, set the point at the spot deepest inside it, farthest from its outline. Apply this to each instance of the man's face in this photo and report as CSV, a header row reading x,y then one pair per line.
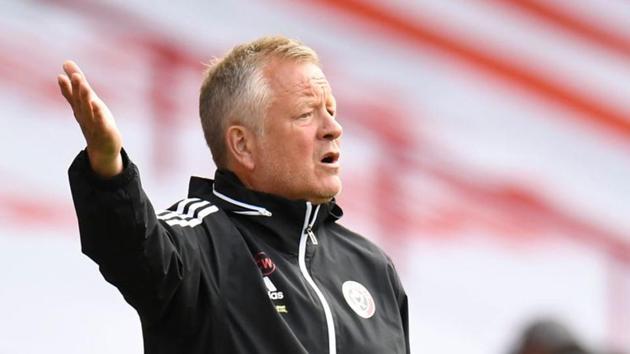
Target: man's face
x,y
297,155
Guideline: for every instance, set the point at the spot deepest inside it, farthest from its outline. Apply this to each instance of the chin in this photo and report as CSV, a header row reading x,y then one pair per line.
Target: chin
x,y
328,192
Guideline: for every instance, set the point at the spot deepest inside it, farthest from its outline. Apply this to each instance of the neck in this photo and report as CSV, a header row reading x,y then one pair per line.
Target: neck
x,y
249,181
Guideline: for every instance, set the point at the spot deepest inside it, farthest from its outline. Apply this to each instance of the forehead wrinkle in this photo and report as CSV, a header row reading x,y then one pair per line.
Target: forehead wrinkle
x,y
310,87
307,91
314,90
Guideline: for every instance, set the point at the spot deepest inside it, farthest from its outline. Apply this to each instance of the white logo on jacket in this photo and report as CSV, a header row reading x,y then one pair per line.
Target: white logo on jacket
x,y
272,291
358,298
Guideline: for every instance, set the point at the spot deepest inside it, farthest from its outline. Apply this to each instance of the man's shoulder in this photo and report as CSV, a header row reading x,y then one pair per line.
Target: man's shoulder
x,y
360,244
190,212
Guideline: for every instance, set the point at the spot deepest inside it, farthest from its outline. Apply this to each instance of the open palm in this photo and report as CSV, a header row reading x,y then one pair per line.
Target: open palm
x,y
97,123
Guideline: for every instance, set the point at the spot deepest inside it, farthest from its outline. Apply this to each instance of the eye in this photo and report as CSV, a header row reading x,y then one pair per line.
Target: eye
x,y
305,115
331,112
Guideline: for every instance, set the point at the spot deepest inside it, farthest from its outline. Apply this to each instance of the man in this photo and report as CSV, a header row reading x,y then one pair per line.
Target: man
x,y
254,261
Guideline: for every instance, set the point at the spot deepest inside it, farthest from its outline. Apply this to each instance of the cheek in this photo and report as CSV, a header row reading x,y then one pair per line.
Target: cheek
x,y
290,149
300,147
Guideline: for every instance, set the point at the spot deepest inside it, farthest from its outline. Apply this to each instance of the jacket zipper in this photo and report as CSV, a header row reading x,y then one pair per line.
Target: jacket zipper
x,y
307,232
311,235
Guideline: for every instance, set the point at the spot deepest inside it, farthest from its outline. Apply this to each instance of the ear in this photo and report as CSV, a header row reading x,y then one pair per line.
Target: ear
x,y
240,144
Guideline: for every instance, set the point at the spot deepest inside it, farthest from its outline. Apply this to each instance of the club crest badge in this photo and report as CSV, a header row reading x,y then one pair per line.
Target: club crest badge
x,y
358,298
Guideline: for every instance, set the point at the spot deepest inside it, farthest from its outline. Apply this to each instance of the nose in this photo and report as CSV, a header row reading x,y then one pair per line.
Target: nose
x,y
330,128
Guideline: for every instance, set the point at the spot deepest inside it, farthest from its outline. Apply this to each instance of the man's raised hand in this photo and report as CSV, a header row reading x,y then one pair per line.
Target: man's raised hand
x,y
97,123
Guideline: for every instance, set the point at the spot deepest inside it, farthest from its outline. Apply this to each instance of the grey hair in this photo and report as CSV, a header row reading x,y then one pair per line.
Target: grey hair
x,y
235,90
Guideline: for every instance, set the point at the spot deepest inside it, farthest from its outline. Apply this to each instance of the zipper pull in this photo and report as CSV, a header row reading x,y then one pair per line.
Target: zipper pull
x,y
311,235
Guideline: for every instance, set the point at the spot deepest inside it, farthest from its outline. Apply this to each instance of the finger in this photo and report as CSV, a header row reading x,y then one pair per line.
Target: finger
x,y
86,100
70,67
75,80
65,88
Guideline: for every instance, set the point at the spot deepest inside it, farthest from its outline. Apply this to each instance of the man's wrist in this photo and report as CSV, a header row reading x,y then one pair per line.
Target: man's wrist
x,y
105,165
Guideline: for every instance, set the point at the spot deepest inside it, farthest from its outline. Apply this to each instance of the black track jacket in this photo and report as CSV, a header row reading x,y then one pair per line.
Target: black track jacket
x,y
231,270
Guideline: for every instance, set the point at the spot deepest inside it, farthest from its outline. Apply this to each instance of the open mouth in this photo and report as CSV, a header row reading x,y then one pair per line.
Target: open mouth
x,y
330,158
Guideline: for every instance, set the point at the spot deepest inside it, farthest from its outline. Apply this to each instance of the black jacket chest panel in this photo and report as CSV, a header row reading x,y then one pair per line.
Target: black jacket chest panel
x,y
337,258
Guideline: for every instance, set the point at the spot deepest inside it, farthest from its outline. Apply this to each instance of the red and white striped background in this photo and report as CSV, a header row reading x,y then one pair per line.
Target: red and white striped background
x,y
486,148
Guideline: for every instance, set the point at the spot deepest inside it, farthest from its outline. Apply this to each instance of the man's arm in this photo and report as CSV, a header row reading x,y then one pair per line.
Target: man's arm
x,y
119,230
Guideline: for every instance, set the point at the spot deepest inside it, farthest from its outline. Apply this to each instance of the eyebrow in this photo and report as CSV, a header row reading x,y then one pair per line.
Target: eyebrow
x,y
330,103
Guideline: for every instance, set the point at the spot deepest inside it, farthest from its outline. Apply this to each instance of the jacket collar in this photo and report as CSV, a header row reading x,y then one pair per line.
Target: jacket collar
x,y
280,220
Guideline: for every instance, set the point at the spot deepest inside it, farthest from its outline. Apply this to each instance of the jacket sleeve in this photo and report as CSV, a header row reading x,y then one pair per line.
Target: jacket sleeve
x,y
119,230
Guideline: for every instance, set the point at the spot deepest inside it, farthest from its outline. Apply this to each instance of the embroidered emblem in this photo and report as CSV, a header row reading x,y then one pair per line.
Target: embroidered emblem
x,y
358,298
265,263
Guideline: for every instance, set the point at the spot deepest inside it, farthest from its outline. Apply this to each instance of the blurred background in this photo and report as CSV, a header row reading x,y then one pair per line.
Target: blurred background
x,y
486,149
